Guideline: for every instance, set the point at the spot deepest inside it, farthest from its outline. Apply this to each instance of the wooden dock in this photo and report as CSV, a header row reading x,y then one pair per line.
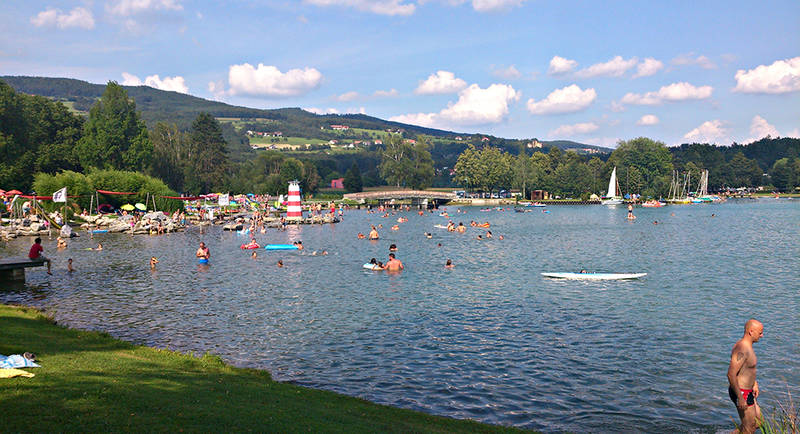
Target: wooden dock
x,y
14,268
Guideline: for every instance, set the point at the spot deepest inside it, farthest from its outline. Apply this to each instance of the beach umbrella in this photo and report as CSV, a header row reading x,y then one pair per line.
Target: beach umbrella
x,y
128,207
13,192
140,206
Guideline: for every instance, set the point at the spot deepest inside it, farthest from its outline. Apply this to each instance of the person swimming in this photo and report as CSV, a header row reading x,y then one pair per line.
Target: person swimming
x,y
449,264
393,248
153,262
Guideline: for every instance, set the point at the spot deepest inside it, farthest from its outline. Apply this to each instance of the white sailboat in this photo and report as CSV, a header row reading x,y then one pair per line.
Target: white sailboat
x,y
611,198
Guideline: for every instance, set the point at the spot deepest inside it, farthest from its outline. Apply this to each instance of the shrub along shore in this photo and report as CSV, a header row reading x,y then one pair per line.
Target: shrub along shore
x,y
91,382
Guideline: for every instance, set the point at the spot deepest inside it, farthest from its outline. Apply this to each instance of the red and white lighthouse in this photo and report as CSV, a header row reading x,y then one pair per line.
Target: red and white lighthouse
x,y
294,209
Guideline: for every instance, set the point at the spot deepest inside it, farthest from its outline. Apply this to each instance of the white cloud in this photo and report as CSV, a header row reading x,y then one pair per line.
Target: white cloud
x,y
440,82
174,84
317,111
268,81
483,5
509,73
386,93
132,7
608,142
782,76
647,68
475,106
430,120
78,17
613,68
673,92
565,100
648,120
571,130
217,88
381,7
495,5
481,106
708,132
560,65
760,128
347,96
690,59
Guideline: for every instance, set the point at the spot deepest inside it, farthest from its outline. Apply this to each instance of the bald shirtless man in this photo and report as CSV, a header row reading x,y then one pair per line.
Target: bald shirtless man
x,y
743,388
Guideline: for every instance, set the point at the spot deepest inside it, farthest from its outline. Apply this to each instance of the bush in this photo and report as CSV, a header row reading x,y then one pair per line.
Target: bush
x,y
84,186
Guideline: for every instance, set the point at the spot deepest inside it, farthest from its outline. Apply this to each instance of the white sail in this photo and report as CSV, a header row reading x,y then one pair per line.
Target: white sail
x,y
611,198
612,184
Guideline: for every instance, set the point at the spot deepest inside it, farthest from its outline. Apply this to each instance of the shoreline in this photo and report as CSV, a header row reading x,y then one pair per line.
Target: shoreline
x,y
90,381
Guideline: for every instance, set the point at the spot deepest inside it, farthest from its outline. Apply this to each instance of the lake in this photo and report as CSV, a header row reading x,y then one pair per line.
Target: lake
x,y
491,339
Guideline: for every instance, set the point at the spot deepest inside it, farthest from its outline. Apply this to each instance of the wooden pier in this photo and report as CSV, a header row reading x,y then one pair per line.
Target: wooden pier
x,y
14,268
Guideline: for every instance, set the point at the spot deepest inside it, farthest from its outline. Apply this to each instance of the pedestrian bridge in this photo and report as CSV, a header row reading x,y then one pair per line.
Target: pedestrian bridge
x,y
418,198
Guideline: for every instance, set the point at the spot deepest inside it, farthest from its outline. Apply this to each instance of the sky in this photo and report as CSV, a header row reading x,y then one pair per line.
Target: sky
x,y
596,72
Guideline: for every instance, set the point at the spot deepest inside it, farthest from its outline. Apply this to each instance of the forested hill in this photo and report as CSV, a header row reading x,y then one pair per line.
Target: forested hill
x,y
181,109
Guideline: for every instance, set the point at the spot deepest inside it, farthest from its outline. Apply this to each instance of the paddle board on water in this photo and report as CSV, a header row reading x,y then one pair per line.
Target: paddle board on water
x,y
280,247
369,266
595,276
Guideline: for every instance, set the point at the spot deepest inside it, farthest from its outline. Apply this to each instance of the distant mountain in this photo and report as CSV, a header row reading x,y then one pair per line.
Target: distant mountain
x,y
173,107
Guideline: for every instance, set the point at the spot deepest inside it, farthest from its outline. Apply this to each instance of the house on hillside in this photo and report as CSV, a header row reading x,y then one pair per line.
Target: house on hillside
x,y
534,144
340,127
337,183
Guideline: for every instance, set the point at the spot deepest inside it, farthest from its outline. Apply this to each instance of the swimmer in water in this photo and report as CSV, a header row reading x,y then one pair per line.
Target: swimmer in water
x,y
428,235
298,244
202,252
254,255
393,248
153,262
449,264
488,234
373,234
280,263
502,237
69,265
99,247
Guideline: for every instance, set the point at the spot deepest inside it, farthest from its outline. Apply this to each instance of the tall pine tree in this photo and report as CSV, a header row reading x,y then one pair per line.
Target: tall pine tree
x,y
206,164
115,137
352,179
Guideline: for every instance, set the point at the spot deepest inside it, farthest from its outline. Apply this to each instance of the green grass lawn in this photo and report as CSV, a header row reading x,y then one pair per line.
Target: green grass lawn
x,y
90,382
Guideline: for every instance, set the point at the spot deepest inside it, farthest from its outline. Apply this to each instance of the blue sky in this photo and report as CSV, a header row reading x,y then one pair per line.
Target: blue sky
x,y
591,71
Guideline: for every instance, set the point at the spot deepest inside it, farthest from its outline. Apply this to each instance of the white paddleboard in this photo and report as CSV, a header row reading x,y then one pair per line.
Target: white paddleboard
x,y
595,276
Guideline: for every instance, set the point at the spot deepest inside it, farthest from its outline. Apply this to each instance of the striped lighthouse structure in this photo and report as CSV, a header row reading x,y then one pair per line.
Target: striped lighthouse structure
x,y
294,209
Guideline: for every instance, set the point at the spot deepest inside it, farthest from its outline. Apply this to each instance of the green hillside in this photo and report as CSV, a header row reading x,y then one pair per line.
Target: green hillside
x,y
173,107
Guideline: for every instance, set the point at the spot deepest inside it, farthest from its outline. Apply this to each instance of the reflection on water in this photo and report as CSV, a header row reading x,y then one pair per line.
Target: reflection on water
x,y
490,339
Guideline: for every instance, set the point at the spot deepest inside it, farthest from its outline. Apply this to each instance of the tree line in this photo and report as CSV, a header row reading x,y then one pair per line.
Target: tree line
x,y
644,166
38,135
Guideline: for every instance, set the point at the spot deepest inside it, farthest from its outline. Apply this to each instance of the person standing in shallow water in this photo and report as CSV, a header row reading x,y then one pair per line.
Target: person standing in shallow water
x,y
743,387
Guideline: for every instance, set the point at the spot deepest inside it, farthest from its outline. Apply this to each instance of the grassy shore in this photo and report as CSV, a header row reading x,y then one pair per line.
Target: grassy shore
x,y
92,382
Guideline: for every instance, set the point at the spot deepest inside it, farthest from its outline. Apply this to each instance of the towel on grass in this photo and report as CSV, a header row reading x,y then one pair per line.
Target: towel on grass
x,y
10,373
16,361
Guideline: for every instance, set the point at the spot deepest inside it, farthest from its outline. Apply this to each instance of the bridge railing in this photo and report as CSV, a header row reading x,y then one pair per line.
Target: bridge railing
x,y
400,194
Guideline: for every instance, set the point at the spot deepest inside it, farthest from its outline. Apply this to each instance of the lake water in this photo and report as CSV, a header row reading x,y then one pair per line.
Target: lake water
x,y
491,339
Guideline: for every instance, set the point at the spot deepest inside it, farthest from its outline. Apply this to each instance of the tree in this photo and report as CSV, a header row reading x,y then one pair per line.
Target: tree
x,y
651,159
206,162
352,179
168,154
783,175
395,161
115,136
743,171
407,164
422,172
